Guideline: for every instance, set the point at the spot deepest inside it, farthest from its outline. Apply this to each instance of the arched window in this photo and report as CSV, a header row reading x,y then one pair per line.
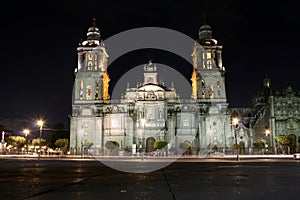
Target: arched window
x,y
207,60
95,62
203,93
81,89
97,90
89,92
81,84
211,91
218,83
209,65
203,89
90,61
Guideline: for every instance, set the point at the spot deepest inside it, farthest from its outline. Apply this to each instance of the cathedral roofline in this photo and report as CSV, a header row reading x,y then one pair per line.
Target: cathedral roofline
x,y
164,88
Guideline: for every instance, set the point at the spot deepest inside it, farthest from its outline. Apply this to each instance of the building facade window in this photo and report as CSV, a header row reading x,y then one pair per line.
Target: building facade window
x,y
203,93
209,64
89,92
81,84
97,90
96,62
211,91
90,61
218,83
81,89
207,60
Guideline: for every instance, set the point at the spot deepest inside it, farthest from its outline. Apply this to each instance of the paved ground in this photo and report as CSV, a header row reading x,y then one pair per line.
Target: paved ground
x,y
186,179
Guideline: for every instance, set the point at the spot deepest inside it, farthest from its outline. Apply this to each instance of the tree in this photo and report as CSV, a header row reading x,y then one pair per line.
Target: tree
x,y
185,146
58,132
213,147
88,145
282,141
16,141
236,147
62,144
292,138
258,146
36,142
111,145
160,144
258,143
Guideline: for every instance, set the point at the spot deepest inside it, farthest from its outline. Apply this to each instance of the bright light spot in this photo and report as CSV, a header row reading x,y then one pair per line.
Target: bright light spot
x,y
40,123
235,121
26,131
143,121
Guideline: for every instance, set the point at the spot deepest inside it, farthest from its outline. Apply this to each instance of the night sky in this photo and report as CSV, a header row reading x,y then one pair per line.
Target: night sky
x,y
39,41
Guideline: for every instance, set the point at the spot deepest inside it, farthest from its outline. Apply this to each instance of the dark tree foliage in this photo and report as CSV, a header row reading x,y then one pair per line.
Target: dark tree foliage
x,y
160,144
58,132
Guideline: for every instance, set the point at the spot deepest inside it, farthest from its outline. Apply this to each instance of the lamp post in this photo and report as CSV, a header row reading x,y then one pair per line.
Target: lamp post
x,y
235,122
143,121
3,133
2,144
268,132
40,123
26,132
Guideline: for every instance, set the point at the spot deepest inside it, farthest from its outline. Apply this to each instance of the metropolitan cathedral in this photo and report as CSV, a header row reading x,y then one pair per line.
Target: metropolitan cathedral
x,y
153,112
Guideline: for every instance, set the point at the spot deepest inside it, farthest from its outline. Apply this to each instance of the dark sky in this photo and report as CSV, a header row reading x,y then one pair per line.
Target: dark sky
x,y
39,41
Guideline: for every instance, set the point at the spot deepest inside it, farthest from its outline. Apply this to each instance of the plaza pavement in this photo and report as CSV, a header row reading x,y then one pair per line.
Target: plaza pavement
x,y
188,178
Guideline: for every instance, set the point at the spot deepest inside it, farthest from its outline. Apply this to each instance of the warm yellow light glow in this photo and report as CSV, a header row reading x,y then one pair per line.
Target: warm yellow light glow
x,y
40,123
235,121
105,86
208,55
194,84
26,131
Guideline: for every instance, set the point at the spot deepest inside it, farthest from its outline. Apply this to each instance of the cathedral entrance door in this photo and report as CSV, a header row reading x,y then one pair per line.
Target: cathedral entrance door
x,y
242,147
150,144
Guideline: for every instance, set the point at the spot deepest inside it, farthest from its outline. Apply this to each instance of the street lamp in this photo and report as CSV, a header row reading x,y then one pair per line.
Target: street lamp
x,y
26,132
235,122
40,123
3,133
268,132
143,121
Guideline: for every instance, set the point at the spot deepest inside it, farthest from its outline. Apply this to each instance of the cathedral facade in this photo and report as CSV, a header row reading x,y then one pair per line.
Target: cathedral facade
x,y
150,112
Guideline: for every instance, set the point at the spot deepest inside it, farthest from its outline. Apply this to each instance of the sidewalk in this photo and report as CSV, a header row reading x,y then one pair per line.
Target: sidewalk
x,y
161,158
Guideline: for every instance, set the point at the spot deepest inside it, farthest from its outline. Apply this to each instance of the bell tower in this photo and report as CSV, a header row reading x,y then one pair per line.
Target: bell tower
x,y
208,90
90,92
150,74
208,75
91,82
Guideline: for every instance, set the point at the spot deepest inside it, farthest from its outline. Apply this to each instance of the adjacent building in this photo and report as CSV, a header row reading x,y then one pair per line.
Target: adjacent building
x,y
274,112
